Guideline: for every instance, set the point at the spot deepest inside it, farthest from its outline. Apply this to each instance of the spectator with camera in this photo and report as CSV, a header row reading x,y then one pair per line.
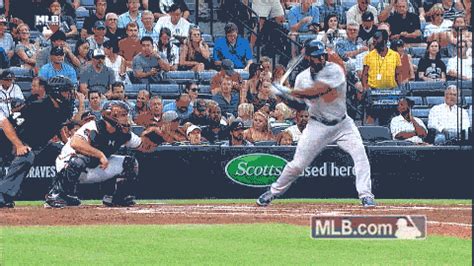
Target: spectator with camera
x,y
233,47
147,64
446,118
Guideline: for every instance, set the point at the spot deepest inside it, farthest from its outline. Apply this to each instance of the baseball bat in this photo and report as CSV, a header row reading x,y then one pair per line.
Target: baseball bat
x,y
290,69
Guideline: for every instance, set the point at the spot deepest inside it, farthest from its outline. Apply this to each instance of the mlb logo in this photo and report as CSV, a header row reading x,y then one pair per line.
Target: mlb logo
x,y
43,20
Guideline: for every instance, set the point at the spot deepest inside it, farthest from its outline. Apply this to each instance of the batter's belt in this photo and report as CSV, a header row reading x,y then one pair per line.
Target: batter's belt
x,y
329,122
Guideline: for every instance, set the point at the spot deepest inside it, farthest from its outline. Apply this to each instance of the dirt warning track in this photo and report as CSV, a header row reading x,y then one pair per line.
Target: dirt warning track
x,y
446,220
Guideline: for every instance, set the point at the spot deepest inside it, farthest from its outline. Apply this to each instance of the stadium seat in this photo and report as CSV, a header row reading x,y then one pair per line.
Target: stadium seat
x,y
81,13
204,89
87,3
445,60
395,143
131,90
426,85
25,86
165,90
466,84
374,133
179,76
22,74
278,129
434,100
244,74
417,99
304,37
167,101
80,24
467,100
265,143
420,112
415,62
417,52
348,4
206,76
208,39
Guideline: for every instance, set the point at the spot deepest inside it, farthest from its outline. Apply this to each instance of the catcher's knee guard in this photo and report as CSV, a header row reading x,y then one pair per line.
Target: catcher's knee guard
x,y
130,168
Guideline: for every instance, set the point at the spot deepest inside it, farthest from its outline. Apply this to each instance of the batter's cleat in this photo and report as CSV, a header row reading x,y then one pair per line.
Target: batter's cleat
x,y
54,201
368,202
265,199
111,201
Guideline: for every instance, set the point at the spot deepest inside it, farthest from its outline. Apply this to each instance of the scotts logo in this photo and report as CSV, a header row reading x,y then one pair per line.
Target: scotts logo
x,y
255,170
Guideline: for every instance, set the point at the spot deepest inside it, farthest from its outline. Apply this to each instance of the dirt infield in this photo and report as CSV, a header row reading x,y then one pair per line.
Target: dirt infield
x,y
446,220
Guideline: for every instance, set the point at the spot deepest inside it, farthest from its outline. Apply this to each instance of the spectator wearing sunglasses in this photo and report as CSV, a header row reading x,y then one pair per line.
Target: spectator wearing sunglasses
x,y
233,47
194,54
192,89
439,27
199,116
96,76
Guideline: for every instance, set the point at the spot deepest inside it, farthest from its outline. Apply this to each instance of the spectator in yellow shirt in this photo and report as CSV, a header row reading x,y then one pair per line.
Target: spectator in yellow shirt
x,y
381,65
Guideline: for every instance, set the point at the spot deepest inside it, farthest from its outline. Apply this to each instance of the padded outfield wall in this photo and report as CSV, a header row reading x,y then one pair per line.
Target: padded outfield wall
x,y
194,172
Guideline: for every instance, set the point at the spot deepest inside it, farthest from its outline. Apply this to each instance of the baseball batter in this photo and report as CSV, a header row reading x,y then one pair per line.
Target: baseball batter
x,y
322,86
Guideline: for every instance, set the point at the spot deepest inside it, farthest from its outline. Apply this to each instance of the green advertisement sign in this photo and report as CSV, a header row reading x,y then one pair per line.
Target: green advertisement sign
x,y
256,169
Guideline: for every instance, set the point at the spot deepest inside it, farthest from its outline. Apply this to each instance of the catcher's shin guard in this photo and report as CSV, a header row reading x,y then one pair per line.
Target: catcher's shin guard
x,y
65,181
124,185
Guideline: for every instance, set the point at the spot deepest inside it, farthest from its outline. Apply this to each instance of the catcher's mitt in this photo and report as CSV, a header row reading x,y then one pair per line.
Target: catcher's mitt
x,y
151,138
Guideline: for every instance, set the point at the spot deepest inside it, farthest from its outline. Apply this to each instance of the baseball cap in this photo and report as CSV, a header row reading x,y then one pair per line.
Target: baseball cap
x,y
99,24
56,51
236,124
200,105
228,67
367,16
6,74
98,53
191,128
58,35
170,116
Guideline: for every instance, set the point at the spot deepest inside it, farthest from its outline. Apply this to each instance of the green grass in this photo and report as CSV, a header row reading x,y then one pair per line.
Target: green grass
x,y
280,201
276,244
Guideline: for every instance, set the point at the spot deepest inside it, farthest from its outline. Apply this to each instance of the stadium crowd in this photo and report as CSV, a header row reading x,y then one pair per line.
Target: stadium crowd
x,y
118,50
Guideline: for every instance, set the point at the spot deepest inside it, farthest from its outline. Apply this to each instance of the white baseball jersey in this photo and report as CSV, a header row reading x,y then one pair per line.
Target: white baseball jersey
x,y
333,75
67,151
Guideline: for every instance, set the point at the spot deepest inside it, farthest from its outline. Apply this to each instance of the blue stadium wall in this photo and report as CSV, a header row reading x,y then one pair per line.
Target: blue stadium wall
x,y
187,172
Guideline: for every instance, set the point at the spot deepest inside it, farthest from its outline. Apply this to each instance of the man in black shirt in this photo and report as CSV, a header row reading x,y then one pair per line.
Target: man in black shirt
x,y
28,134
100,11
404,25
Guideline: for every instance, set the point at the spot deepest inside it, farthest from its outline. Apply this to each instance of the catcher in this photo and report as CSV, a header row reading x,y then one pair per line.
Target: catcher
x,y
89,157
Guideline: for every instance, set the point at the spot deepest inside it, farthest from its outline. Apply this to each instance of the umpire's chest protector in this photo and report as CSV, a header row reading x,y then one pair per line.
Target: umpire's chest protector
x,y
108,143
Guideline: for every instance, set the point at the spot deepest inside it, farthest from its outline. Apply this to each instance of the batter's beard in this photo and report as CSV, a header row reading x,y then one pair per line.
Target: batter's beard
x,y
315,68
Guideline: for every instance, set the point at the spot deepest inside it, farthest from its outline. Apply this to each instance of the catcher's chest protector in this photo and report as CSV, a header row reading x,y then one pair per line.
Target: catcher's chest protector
x,y
106,142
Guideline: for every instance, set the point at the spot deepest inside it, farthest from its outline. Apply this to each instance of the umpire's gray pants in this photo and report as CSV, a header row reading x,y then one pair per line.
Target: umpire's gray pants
x,y
19,168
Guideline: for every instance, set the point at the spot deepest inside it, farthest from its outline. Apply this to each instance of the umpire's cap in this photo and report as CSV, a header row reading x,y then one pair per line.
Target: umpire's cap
x,y
315,48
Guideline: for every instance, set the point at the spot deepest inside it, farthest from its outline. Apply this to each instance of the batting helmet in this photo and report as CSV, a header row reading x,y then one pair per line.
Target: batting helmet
x,y
116,113
59,84
315,48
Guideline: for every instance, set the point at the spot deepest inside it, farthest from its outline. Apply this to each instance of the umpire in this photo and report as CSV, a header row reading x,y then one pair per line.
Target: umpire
x,y
29,133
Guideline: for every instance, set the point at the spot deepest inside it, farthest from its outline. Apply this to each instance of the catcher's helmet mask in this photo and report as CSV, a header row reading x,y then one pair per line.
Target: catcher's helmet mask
x,y
57,86
116,114
315,49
